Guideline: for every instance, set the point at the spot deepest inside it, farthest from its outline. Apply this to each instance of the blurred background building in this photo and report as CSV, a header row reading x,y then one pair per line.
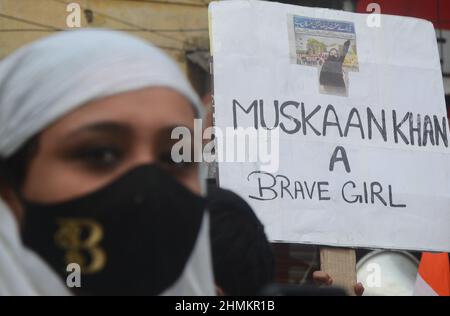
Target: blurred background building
x,y
180,27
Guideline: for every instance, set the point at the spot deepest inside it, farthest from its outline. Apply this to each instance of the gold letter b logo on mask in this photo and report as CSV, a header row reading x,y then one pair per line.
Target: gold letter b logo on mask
x,y
80,239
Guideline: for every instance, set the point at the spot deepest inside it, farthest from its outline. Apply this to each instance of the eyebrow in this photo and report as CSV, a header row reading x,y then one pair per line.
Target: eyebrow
x,y
118,128
167,131
102,127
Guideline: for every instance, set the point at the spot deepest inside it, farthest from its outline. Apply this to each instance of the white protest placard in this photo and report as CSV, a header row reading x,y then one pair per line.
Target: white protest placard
x,y
363,157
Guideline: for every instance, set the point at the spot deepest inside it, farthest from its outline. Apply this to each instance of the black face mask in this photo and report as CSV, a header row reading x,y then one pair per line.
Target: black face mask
x,y
132,237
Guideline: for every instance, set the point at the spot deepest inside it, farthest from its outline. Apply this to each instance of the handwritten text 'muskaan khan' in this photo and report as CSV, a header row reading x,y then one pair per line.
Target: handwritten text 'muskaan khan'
x,y
295,118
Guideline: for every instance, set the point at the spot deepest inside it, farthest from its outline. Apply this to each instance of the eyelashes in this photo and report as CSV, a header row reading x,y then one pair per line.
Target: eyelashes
x,y
103,158
166,162
98,157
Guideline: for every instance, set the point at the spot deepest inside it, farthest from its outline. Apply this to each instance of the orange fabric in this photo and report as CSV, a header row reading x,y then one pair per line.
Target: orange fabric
x,y
434,269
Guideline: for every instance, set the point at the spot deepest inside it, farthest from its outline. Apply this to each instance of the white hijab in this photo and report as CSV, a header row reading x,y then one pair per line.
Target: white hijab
x,y
46,80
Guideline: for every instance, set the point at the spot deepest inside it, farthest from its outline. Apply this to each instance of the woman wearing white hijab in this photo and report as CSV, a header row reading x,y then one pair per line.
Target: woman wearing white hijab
x,y
85,168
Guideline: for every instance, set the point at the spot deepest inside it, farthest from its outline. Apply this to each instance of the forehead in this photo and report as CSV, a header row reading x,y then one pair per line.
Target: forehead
x,y
150,109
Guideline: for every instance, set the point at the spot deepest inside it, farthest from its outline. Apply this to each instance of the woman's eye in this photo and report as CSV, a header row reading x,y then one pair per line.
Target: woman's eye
x,y
167,162
100,157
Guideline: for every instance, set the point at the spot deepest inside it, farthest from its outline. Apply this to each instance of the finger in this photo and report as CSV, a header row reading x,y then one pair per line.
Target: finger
x,y
359,289
322,277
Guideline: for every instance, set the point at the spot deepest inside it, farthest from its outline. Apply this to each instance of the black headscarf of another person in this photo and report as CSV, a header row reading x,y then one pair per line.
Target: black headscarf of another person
x,y
243,260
